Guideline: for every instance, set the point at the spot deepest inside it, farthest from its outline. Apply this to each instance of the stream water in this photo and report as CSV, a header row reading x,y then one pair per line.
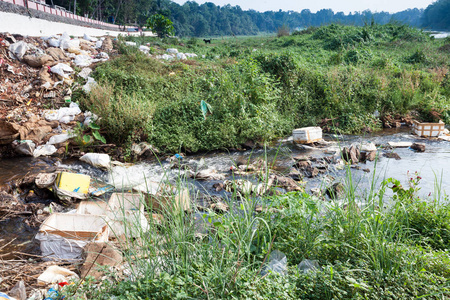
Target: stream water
x,y
433,166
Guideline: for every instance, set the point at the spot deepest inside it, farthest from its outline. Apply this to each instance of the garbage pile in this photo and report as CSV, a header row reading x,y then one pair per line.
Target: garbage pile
x,y
37,74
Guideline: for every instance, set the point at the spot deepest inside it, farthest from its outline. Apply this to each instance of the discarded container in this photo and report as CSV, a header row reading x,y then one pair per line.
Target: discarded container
x,y
307,135
63,236
128,223
126,201
160,196
4,296
428,129
72,182
44,150
99,208
76,226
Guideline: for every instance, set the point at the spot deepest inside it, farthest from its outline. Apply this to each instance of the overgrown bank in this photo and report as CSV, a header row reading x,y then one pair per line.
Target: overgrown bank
x,y
259,88
378,247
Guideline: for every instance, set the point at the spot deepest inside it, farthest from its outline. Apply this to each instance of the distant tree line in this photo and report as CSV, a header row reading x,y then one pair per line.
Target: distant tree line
x,y
192,19
437,15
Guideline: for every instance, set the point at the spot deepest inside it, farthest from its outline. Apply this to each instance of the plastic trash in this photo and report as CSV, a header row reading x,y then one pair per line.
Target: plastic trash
x,y
19,49
97,160
55,274
44,150
24,147
90,38
181,56
130,43
83,60
308,265
4,296
45,180
57,139
58,115
85,73
144,49
53,42
165,57
277,263
172,50
67,43
72,182
91,83
89,118
191,55
98,44
206,109
62,70
52,294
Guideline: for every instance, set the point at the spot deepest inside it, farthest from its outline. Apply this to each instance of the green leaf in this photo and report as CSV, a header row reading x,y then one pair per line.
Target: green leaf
x,y
94,126
99,137
86,138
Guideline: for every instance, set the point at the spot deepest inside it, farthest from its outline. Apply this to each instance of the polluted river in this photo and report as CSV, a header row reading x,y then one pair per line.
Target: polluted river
x,y
316,169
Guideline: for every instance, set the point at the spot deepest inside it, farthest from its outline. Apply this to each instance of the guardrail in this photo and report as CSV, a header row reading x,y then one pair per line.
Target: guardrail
x,y
56,10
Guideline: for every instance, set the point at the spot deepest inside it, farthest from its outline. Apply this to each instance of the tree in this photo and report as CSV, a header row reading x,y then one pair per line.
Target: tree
x,y
160,25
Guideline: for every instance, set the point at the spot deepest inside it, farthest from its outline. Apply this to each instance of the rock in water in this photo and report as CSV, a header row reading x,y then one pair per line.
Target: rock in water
x,y
419,147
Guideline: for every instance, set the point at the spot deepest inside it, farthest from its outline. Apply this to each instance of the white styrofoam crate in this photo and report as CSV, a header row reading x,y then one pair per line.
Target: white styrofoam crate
x,y
307,135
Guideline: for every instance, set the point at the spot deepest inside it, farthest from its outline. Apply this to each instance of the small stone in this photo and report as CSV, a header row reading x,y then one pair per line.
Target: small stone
x,y
366,170
337,190
419,147
218,186
220,207
392,155
303,164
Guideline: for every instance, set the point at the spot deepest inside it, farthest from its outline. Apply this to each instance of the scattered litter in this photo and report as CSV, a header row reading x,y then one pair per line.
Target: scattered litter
x,y
130,43
64,114
58,139
277,263
51,94
45,180
97,160
70,185
91,83
307,266
83,60
307,135
62,70
56,274
18,49
144,49
63,236
400,144
90,38
24,147
181,56
44,150
428,129
85,73
172,50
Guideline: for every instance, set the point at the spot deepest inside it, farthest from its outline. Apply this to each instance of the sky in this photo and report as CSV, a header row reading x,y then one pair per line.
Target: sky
x,y
336,5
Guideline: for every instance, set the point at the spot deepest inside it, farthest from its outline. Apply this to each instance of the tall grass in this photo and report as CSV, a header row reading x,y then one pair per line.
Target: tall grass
x,y
368,246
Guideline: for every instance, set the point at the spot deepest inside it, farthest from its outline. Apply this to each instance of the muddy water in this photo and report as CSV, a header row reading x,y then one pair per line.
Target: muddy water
x,y
433,166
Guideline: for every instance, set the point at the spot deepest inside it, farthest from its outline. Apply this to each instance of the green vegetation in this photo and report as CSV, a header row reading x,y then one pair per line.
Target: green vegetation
x,y
436,15
161,25
372,247
261,88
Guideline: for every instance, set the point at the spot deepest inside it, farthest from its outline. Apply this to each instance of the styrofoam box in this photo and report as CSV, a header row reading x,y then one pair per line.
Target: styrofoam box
x,y
428,129
126,201
76,226
307,135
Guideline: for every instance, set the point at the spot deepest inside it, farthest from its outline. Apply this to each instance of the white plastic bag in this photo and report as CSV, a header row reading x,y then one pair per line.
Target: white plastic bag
x,y
144,49
90,38
181,56
83,60
62,70
67,43
85,73
98,44
277,263
53,43
57,139
172,50
44,150
89,85
97,160
60,114
55,274
19,49
130,43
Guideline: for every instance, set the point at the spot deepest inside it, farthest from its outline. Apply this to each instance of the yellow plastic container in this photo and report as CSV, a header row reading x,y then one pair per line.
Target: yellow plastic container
x,y
73,182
